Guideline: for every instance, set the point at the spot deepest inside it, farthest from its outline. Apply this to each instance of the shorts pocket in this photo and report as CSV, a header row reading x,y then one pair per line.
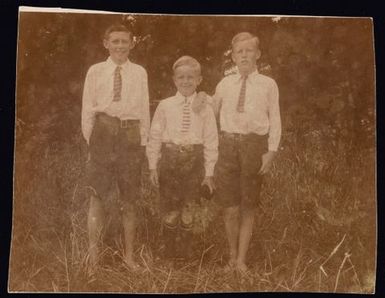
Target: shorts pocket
x,y
252,158
132,135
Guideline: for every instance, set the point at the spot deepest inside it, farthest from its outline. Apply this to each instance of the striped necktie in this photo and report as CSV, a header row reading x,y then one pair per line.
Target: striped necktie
x,y
117,84
186,116
242,95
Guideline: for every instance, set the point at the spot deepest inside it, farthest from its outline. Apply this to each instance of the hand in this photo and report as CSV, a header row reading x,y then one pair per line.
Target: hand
x,y
199,102
154,178
209,181
267,160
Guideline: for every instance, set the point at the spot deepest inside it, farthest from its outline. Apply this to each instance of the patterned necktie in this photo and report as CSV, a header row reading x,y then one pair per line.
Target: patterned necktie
x,y
117,84
242,95
186,117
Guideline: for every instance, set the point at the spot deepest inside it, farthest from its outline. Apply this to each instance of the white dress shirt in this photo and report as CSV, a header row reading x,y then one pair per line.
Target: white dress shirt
x,y
261,109
167,127
98,96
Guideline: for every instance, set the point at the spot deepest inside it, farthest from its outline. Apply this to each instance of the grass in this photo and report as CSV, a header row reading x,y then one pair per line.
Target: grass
x,y
314,232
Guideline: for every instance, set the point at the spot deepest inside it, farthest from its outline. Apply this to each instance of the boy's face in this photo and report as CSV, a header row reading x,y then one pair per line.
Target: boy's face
x,y
119,44
187,79
245,55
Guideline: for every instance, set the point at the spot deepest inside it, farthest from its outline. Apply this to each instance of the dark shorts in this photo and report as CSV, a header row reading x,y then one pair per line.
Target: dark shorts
x,y
181,172
236,172
116,155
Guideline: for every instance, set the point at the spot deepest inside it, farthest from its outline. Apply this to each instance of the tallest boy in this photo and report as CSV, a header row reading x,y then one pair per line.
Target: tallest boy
x,y
250,127
115,124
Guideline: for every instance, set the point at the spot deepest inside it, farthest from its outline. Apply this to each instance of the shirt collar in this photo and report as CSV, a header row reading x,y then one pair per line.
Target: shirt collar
x,y
250,77
111,65
181,98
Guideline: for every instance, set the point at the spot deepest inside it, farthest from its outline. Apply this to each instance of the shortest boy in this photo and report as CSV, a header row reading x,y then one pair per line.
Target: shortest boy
x,y
182,152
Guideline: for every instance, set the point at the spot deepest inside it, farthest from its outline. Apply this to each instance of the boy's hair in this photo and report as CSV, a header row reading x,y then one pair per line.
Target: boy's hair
x,y
187,60
244,36
117,28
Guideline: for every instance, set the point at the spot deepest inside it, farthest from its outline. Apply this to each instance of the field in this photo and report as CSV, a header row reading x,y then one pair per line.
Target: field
x,y
315,228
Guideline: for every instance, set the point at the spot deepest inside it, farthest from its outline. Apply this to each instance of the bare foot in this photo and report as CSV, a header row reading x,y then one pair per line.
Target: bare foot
x,y
232,262
168,264
230,266
91,270
241,267
132,265
92,264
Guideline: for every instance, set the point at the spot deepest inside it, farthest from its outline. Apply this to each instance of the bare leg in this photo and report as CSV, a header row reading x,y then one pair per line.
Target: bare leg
x,y
231,219
245,233
129,225
186,235
170,231
95,228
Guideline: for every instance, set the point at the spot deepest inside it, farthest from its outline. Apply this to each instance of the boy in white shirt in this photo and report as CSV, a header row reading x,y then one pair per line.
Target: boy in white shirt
x,y
250,124
115,124
182,152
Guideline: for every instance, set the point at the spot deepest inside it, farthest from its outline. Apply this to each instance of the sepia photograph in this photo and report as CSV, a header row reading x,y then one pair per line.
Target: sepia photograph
x,y
177,153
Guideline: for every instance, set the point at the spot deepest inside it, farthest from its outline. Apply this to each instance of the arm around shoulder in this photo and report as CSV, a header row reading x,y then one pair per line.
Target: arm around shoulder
x,y
216,100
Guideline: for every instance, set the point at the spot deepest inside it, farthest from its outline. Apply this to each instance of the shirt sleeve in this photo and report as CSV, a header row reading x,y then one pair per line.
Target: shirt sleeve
x,y
155,137
210,142
88,115
215,101
274,118
145,120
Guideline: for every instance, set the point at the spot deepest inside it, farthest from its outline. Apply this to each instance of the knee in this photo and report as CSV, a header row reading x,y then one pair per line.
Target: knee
x,y
96,207
170,219
248,212
187,219
95,213
90,192
231,213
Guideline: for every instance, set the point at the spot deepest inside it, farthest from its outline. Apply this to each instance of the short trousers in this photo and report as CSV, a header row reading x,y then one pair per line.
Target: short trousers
x,y
236,172
116,156
181,172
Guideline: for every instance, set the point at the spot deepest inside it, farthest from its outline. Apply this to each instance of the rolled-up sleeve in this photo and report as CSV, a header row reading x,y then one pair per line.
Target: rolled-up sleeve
x,y
88,115
274,118
145,119
210,142
155,138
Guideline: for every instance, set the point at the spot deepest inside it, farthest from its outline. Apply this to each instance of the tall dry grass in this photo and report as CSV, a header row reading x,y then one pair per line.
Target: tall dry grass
x,y
315,229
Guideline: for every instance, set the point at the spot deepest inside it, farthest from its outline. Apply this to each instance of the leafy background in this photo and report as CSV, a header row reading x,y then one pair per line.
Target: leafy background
x,y
316,228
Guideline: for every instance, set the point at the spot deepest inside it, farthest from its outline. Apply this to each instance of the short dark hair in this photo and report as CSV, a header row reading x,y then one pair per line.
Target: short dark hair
x,y
117,28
